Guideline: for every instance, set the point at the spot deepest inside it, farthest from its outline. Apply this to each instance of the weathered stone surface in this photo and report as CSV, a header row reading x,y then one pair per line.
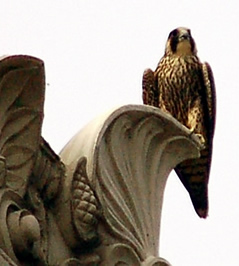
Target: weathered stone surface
x,y
99,202
130,152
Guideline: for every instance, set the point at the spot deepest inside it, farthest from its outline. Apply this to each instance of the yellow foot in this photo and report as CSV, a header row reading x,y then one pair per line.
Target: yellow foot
x,y
201,138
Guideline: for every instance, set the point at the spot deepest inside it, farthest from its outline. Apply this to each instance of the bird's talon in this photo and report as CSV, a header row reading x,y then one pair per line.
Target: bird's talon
x,y
201,138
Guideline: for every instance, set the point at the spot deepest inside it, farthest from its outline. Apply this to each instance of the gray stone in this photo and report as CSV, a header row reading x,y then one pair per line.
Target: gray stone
x,y
99,201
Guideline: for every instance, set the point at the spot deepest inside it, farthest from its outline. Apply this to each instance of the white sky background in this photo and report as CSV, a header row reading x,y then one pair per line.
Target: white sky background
x,y
95,53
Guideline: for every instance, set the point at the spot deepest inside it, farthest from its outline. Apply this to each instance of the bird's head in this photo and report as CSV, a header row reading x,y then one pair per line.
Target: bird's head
x,y
180,43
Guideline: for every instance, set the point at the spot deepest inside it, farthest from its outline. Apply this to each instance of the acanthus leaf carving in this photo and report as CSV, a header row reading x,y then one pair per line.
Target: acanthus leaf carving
x,y
21,105
135,157
134,149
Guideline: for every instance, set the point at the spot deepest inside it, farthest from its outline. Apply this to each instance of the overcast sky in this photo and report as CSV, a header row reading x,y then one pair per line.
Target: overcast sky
x,y
95,53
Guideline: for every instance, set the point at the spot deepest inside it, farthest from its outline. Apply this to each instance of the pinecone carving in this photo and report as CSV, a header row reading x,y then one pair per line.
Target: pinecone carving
x,y
84,205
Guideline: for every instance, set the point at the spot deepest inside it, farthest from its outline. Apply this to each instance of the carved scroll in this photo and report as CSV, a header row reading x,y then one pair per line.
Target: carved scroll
x,y
130,153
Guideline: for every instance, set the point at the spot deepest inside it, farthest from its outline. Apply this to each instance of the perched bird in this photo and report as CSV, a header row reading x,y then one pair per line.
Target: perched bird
x,y
184,87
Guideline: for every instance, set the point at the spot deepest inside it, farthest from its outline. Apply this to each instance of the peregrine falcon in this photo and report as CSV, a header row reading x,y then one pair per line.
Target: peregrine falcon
x,y
184,87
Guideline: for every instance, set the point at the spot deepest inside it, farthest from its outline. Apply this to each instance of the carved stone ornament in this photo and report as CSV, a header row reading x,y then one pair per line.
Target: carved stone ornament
x,y
97,203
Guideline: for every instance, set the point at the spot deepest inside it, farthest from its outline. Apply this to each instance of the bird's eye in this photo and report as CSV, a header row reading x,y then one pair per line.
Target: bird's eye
x,y
174,33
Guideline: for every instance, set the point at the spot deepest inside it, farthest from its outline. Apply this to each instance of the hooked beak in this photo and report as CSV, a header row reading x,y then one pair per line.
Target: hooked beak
x,y
184,36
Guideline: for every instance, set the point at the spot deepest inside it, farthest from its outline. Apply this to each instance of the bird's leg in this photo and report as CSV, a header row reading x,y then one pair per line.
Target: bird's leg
x,y
200,136
195,123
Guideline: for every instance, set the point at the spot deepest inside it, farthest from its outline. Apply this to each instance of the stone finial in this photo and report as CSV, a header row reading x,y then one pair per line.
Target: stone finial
x,y
99,202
